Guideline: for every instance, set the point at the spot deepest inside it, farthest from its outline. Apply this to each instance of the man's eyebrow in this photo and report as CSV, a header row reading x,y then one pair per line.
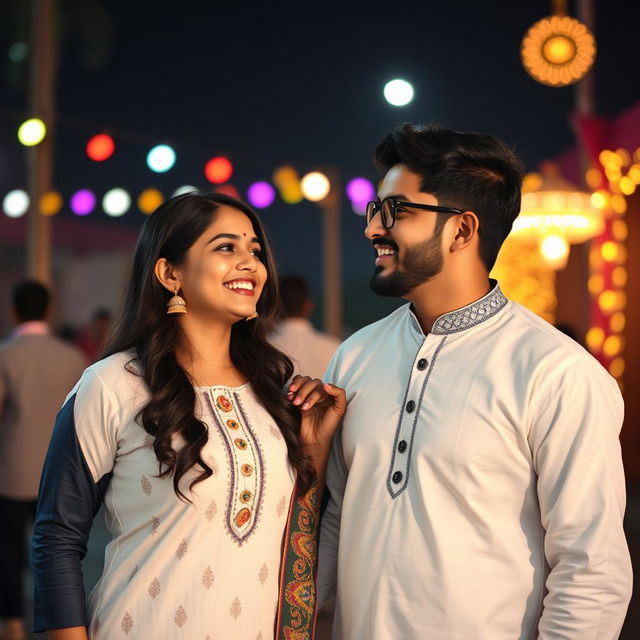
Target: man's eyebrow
x,y
230,236
395,196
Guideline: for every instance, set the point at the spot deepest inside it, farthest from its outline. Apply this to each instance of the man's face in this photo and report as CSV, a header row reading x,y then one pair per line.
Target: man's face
x,y
410,253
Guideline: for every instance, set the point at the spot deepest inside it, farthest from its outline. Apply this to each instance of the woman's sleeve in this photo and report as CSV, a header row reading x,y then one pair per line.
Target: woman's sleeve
x,y
74,479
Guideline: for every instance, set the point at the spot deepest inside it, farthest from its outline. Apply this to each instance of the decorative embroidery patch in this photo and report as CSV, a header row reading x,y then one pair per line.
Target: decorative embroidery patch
x,y
246,462
471,315
297,604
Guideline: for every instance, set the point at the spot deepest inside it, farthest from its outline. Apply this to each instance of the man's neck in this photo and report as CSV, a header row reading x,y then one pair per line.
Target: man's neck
x,y
443,295
31,328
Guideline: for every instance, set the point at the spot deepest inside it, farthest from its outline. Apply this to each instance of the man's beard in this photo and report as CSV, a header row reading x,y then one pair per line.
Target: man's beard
x,y
421,263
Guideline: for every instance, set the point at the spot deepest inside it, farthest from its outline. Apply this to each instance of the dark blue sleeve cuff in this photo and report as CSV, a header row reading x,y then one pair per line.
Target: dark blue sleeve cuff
x,y
68,500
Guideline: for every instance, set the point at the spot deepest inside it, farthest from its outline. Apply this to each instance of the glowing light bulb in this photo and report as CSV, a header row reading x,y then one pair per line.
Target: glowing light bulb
x,y
398,93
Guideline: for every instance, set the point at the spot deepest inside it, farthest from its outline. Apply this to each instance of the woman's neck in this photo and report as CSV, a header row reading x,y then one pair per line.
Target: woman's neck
x,y
205,353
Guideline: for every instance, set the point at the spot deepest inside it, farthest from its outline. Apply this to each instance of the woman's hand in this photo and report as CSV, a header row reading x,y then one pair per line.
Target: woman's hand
x,y
322,407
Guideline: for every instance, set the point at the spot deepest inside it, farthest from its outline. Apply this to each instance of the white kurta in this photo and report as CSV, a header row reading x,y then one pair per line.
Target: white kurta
x,y
174,569
477,489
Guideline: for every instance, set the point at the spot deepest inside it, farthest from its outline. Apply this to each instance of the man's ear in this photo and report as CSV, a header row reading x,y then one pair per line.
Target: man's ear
x,y
167,275
467,231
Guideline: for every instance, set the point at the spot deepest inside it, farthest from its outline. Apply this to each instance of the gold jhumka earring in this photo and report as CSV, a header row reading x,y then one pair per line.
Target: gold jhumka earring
x,y
176,304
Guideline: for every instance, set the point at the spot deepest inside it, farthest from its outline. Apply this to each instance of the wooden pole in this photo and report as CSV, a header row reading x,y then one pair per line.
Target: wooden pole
x,y
332,251
40,157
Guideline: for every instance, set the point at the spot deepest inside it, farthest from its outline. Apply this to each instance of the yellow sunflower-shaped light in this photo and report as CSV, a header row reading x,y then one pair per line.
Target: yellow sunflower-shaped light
x,y
558,51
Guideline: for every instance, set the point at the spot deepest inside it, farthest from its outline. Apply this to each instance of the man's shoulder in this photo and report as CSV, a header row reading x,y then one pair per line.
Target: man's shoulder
x,y
376,332
47,345
543,343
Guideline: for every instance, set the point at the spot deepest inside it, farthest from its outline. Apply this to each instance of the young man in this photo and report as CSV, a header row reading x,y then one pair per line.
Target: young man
x,y
37,370
477,489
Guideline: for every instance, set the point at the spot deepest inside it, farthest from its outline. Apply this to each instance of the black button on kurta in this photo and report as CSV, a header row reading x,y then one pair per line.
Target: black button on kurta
x,y
411,405
422,364
402,446
397,477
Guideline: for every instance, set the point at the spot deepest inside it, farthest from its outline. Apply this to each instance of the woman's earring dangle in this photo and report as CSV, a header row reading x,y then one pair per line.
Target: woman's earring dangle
x,y
176,304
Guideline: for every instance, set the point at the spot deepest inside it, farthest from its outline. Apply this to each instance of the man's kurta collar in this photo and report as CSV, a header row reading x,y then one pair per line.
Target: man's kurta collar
x,y
468,316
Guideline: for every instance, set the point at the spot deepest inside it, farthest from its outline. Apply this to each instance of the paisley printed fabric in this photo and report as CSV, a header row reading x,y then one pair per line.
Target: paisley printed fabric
x,y
296,619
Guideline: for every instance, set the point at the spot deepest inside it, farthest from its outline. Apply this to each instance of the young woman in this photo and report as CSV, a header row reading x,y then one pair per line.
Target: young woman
x,y
208,467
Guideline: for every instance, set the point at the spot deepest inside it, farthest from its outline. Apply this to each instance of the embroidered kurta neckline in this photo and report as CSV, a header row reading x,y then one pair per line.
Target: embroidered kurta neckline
x,y
468,316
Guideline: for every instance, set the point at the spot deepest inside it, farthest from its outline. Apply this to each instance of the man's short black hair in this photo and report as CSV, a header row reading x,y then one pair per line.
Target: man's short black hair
x,y
30,300
294,293
467,171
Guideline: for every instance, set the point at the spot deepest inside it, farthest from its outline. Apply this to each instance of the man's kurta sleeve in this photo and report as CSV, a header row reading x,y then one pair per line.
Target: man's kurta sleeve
x,y
575,424
336,480
74,479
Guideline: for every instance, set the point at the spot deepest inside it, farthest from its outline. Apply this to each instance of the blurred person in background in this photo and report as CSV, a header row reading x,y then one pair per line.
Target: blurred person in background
x,y
37,371
208,467
309,349
92,338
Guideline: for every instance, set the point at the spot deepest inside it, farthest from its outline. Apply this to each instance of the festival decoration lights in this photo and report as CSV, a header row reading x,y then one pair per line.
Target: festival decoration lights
x,y
100,147
149,200
16,203
50,203
116,202
261,195
218,170
315,186
398,92
558,50
32,132
83,202
161,158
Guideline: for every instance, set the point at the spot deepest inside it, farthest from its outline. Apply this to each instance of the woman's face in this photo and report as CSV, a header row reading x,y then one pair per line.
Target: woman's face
x,y
223,274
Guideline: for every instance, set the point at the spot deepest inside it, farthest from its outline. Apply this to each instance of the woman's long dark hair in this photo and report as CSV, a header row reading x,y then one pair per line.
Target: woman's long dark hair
x,y
145,329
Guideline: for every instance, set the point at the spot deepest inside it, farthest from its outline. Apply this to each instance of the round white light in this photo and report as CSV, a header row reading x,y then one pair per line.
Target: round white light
x,y
186,188
398,92
315,186
555,251
16,203
161,158
116,202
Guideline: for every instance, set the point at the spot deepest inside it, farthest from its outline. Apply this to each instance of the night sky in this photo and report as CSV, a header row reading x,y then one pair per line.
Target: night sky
x,y
301,86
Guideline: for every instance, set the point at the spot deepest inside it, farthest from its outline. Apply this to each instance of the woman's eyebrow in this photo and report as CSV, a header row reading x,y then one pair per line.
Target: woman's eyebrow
x,y
230,236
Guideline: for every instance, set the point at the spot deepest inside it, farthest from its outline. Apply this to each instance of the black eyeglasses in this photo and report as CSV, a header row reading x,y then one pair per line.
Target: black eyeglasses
x,y
389,207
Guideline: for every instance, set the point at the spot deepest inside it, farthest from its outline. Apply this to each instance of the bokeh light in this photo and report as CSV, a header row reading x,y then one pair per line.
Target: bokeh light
x,y
185,188
554,249
360,190
261,195
595,338
398,92
18,51
161,158
83,202
149,200
228,190
116,202
617,366
618,322
291,193
16,203
315,186
50,203
612,346
32,132
218,170
100,147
